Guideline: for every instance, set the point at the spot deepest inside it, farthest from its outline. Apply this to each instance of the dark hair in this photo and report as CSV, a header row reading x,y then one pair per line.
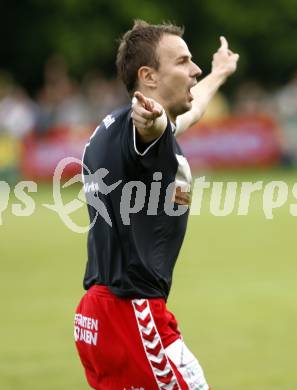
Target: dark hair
x,y
138,48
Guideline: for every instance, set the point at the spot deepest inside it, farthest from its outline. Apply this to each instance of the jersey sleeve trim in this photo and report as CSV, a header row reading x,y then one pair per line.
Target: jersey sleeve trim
x,y
173,127
148,148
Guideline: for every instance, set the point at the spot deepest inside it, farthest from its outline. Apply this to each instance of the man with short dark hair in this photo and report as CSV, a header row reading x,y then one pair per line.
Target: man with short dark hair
x,y
125,336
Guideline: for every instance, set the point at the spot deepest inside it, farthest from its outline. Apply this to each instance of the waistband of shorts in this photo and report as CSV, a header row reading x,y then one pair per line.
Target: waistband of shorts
x,y
103,291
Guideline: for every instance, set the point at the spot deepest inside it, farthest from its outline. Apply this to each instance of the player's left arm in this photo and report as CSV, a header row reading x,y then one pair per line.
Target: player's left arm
x,y
224,63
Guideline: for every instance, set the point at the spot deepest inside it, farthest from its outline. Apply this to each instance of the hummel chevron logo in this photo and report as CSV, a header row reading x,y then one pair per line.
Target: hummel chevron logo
x,y
139,301
152,345
143,315
165,378
156,350
108,120
140,307
160,366
164,373
147,330
156,358
170,386
144,322
149,336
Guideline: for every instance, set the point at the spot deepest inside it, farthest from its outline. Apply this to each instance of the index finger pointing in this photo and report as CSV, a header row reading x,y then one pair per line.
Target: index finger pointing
x,y
224,43
139,96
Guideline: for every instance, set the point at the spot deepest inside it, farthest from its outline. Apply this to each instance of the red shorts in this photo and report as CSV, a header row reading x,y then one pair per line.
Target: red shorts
x,y
134,344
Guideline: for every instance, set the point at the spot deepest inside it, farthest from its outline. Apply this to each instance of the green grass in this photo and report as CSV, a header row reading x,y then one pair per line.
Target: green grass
x,y
234,294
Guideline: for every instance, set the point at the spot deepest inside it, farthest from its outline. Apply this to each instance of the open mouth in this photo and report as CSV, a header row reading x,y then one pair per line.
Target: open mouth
x,y
189,91
190,94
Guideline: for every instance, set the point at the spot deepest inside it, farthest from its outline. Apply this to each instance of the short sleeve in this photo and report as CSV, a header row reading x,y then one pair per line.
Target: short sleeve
x,y
148,154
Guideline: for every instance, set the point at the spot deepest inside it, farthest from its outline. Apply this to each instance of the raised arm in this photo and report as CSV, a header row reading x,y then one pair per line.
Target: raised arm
x,y
224,63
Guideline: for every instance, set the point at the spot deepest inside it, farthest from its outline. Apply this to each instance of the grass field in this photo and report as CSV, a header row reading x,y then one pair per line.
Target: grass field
x,y
234,294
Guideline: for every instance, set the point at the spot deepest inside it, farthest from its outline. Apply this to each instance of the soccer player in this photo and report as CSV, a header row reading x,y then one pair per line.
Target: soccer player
x,y
137,184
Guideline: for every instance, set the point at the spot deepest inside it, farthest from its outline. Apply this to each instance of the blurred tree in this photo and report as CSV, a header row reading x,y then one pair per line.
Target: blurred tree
x,y
85,33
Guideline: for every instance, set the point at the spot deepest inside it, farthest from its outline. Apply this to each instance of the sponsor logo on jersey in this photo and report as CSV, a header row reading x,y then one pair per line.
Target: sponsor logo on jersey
x,y
108,120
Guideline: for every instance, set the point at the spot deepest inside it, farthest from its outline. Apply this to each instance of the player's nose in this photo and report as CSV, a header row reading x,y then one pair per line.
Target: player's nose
x,y
196,71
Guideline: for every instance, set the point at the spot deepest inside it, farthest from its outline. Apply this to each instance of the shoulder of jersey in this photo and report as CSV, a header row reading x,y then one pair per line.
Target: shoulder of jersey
x,y
111,120
109,123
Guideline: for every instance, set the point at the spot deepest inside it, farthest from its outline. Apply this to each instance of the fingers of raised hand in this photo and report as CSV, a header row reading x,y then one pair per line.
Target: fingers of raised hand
x,y
157,112
224,48
236,57
143,112
140,121
224,44
140,98
143,101
227,55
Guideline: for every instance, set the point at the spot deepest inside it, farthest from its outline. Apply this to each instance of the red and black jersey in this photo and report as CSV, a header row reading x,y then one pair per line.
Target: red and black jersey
x,y
137,226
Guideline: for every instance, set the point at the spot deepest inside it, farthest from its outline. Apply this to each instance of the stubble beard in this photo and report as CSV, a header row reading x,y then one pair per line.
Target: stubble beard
x,y
179,109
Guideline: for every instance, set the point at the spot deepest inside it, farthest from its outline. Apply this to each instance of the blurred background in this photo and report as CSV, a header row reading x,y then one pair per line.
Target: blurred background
x,y
234,290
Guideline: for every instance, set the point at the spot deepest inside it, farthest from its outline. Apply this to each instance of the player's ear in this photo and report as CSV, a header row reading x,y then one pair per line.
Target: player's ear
x,y
147,76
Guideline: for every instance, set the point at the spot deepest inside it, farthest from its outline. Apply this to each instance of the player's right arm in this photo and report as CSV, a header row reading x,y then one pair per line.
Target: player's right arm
x,y
149,117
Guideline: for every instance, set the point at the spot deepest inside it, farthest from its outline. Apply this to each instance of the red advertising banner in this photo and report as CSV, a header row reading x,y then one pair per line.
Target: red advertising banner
x,y
230,143
233,142
41,153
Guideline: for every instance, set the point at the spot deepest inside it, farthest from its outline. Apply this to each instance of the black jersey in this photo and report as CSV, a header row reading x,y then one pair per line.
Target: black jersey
x,y
137,226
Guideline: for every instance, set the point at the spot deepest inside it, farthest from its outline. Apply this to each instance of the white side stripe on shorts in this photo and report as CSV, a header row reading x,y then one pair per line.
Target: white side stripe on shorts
x,y
153,346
